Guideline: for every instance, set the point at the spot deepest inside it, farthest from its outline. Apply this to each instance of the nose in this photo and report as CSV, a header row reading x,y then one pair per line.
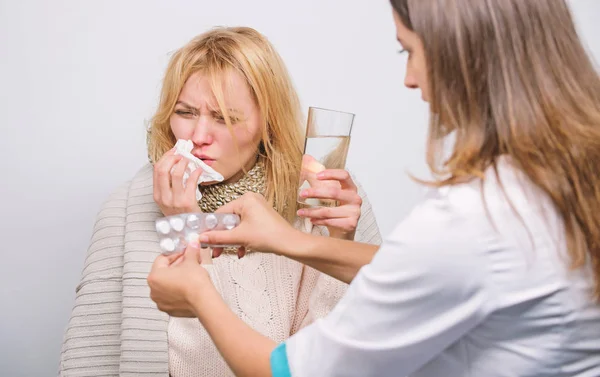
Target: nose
x,y
203,132
410,81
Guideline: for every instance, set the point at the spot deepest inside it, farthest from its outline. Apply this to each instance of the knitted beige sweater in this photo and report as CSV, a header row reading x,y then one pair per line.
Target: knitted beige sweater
x,y
115,328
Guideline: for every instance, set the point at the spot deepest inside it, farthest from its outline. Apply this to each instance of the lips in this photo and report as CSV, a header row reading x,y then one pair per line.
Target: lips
x,y
206,159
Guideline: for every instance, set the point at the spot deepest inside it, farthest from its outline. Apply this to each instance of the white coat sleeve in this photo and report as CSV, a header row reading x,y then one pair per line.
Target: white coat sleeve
x,y
426,288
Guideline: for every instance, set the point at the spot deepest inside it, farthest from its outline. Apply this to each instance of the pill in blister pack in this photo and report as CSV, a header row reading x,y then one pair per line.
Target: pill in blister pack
x,y
176,232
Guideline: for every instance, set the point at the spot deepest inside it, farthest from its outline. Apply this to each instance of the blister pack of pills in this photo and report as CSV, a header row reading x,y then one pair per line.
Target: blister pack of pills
x,y
176,232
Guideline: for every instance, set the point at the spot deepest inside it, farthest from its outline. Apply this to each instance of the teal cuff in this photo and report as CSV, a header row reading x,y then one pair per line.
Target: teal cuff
x,y
279,362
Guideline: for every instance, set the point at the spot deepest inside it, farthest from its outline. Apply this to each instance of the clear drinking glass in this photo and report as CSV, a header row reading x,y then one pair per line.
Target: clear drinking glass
x,y
325,147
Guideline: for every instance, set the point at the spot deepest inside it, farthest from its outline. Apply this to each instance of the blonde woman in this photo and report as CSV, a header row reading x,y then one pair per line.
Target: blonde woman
x,y
229,93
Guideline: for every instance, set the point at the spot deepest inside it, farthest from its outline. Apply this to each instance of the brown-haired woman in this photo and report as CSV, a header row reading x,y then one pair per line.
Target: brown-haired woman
x,y
497,271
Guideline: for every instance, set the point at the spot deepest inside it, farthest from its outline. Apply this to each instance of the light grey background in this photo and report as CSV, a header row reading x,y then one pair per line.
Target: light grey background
x,y
80,79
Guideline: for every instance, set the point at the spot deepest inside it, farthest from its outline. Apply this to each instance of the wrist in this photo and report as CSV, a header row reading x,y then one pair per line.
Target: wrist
x,y
340,234
296,244
199,294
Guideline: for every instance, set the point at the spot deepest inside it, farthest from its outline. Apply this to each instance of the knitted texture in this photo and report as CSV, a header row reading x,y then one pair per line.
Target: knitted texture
x,y
115,328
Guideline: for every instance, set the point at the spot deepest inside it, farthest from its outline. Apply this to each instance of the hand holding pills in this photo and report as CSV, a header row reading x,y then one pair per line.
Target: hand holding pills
x,y
178,231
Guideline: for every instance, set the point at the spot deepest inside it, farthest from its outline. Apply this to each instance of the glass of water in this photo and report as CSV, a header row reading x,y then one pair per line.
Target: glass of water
x,y
325,147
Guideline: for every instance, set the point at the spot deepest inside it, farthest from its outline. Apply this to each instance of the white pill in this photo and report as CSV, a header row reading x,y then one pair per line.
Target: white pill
x,y
192,237
162,227
167,245
229,221
211,221
176,223
193,221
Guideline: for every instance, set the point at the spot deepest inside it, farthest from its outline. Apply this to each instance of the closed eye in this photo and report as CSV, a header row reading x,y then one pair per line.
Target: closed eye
x,y
221,119
185,113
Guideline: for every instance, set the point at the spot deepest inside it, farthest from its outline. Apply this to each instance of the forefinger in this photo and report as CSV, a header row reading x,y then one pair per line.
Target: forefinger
x,y
339,175
165,260
234,206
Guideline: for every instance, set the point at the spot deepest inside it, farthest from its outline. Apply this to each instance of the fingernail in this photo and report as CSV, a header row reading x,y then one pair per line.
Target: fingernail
x,y
320,174
194,244
300,212
304,193
203,238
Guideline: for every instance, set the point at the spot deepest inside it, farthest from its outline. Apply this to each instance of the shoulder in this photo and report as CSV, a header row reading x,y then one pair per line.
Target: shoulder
x,y
139,185
503,192
460,228
143,177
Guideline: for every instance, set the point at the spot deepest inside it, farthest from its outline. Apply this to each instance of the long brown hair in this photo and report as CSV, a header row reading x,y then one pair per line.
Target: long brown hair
x,y
511,77
244,50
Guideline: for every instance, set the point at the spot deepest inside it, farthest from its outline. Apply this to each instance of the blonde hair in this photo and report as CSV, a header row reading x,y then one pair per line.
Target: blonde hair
x,y
243,50
511,77
336,159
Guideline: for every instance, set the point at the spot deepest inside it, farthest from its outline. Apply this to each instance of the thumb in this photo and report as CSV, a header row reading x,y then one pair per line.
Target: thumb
x,y
311,178
310,168
221,237
192,254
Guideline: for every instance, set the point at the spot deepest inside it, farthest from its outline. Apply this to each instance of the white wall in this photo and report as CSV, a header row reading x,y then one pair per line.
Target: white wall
x,y
78,81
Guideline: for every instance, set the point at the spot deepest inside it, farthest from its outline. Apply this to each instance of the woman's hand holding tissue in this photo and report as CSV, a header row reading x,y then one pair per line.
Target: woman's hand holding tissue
x,y
170,193
336,185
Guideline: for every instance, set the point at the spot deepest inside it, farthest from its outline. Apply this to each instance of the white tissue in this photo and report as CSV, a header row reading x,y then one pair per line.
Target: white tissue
x,y
184,148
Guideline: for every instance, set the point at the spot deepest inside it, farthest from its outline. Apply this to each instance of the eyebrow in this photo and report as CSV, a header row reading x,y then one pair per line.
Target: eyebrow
x,y
214,110
186,105
235,111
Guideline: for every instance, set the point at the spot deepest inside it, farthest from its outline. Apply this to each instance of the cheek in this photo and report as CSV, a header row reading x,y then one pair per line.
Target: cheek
x,y
247,137
180,128
421,71
222,138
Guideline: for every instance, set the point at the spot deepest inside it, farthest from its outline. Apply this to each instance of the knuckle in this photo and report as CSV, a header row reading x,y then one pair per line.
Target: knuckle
x,y
332,192
179,170
163,171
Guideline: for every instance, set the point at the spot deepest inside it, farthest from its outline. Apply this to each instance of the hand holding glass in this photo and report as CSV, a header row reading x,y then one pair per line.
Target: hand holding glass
x,y
325,147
